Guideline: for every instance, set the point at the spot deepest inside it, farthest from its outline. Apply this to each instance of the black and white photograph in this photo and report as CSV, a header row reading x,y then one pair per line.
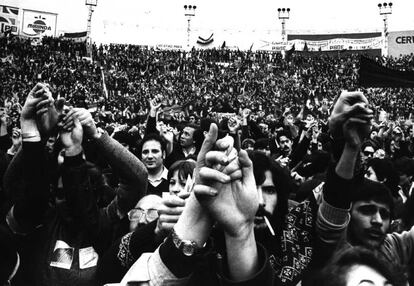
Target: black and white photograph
x,y
206,143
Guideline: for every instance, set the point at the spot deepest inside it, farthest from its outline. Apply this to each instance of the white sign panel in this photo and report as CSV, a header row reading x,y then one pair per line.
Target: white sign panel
x,y
38,23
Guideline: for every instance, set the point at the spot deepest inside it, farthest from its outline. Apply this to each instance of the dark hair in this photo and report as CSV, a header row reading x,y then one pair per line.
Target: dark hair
x,y
384,169
150,137
366,190
405,166
184,168
337,270
283,133
281,180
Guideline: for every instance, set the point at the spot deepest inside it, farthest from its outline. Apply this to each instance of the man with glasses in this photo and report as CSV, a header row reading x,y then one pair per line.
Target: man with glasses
x,y
144,212
367,152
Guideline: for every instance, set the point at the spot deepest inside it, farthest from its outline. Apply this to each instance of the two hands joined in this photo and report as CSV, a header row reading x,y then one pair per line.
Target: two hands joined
x,y
40,116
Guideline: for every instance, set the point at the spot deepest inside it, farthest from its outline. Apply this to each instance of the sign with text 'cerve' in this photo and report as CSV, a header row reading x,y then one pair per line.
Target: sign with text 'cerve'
x,y
400,43
38,23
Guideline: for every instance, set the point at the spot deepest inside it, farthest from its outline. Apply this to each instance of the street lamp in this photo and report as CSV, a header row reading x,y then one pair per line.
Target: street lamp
x,y
189,11
385,9
283,14
91,5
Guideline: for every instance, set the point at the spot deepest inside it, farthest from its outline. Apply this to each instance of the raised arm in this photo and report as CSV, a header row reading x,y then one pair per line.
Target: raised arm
x,y
132,173
29,208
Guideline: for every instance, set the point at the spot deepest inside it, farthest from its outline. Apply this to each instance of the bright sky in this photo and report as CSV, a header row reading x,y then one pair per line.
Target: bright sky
x,y
155,19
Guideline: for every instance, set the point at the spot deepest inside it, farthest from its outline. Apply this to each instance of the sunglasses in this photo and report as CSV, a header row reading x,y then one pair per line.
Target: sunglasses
x,y
368,153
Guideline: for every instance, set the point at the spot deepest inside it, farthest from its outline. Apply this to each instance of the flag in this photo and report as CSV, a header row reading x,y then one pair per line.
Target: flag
x,y
205,42
251,47
372,74
223,45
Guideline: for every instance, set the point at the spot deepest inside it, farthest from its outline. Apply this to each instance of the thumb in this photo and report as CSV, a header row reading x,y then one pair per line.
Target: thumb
x,y
208,144
246,166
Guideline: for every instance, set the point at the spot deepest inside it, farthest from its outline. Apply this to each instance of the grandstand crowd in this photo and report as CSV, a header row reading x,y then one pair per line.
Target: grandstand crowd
x,y
201,167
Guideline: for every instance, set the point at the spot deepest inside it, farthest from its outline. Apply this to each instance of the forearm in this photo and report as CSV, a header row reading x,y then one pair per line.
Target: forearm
x,y
194,223
124,163
346,165
242,256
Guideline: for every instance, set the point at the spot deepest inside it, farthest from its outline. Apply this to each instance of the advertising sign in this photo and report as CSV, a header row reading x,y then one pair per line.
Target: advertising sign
x,y
38,23
9,19
400,43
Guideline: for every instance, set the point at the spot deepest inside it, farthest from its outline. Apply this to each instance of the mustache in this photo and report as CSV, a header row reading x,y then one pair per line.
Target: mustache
x,y
262,212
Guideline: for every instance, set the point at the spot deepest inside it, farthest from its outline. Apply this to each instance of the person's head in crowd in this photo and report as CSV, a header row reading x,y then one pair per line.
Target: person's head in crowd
x,y
371,214
367,151
152,152
145,211
248,144
397,133
358,266
272,183
187,136
405,169
262,145
192,118
264,128
178,174
383,171
50,143
380,154
373,135
289,118
9,258
317,164
324,142
285,142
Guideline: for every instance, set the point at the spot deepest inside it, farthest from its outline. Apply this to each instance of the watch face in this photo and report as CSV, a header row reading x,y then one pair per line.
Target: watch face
x,y
188,249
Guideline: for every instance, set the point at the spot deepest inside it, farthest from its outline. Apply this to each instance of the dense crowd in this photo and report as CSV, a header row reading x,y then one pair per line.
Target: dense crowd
x,y
201,167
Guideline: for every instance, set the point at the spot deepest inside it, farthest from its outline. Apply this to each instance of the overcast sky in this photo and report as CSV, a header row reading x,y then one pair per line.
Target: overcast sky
x,y
318,16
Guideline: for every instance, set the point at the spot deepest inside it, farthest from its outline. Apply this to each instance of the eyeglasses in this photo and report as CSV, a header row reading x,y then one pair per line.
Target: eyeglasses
x,y
137,213
368,153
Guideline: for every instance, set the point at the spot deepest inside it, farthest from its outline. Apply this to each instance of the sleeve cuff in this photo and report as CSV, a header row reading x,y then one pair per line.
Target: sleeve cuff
x,y
179,264
332,216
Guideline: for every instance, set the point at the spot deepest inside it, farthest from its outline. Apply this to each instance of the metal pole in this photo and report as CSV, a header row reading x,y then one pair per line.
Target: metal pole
x,y
283,30
188,31
385,35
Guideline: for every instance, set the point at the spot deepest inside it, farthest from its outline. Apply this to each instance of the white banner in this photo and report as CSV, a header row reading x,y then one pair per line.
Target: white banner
x,y
339,44
324,45
38,24
400,43
9,19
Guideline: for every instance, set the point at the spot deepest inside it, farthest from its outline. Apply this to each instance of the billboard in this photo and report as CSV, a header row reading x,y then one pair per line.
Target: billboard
x,y
9,19
400,43
38,23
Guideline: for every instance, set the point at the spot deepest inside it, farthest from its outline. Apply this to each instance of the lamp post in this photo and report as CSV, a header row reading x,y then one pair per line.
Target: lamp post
x,y
91,5
189,11
283,14
385,9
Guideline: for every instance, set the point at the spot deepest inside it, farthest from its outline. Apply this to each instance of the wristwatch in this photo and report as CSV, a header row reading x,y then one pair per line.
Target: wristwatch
x,y
187,247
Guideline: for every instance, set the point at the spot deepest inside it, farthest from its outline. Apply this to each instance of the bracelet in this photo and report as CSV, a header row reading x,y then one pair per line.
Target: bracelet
x,y
28,135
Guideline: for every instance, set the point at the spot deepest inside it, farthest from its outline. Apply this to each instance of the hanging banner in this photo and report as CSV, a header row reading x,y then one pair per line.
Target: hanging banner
x,y
38,23
9,19
400,43
339,44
